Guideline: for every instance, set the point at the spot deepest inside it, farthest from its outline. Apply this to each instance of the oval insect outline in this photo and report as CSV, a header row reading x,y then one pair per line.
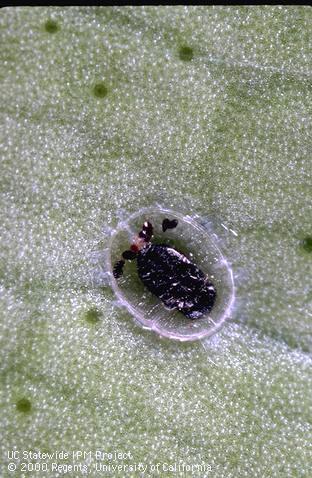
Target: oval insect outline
x,y
151,269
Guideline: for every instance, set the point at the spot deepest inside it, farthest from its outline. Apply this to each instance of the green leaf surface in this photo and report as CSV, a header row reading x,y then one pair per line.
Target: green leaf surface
x,y
105,110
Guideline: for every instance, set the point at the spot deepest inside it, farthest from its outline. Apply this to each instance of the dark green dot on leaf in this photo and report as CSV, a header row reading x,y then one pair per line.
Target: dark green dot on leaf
x,y
51,26
307,244
186,53
100,90
92,316
23,405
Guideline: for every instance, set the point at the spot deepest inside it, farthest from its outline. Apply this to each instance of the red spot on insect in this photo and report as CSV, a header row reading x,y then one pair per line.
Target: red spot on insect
x,y
134,248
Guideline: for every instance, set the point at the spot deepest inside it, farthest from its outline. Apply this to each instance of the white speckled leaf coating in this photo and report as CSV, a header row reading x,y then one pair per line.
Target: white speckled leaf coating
x,y
222,129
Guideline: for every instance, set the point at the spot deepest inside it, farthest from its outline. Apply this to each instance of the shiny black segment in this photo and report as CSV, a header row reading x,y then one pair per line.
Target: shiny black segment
x,y
167,224
118,268
129,255
175,280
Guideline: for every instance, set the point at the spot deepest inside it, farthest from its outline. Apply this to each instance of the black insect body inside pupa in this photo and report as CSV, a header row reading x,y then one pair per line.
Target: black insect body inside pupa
x,y
179,283
169,274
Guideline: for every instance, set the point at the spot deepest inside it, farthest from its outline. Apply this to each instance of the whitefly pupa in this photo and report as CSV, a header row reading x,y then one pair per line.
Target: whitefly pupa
x,y
168,274
168,271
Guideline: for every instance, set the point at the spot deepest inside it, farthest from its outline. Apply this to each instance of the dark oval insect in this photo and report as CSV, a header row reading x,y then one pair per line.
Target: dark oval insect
x,y
169,274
